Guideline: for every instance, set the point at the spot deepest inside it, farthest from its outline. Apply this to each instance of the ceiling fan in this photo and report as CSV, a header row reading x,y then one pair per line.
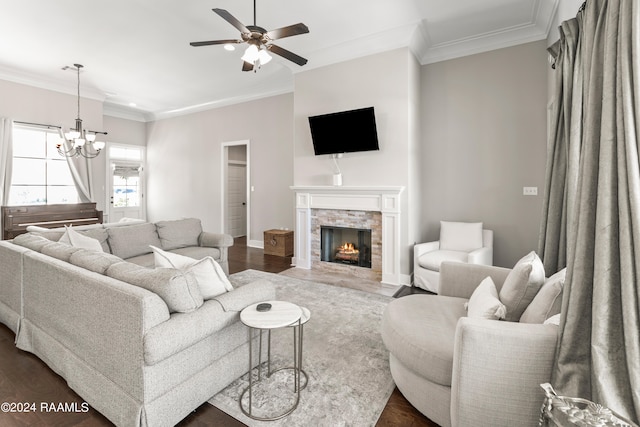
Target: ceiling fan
x,y
259,41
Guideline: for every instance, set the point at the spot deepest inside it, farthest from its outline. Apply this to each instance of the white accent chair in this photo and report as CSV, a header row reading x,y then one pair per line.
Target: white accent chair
x,y
465,242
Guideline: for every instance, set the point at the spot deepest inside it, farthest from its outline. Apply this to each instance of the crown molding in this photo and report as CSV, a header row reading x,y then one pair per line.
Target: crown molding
x,y
122,112
480,44
218,103
384,41
48,83
537,28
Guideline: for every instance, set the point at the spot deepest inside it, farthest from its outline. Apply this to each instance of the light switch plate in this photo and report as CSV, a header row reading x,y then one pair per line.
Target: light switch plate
x,y
529,191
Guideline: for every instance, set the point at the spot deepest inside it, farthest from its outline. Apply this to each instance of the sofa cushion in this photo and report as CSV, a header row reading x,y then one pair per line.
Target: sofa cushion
x,y
211,279
484,302
198,252
432,260
460,236
184,330
100,234
82,241
145,260
179,233
548,301
98,262
420,330
178,290
31,241
132,240
59,251
521,285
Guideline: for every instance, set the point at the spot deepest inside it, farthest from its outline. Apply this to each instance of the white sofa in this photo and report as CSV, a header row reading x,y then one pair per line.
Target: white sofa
x,y
140,345
131,240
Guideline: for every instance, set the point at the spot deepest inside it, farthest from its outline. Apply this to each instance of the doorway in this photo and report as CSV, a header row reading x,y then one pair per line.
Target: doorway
x,y
235,193
125,181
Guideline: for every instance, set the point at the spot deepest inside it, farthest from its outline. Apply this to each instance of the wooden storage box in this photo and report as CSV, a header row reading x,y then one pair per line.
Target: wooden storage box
x,y
278,242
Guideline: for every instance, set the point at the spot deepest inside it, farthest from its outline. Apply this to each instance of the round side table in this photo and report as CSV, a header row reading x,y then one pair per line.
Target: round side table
x,y
282,314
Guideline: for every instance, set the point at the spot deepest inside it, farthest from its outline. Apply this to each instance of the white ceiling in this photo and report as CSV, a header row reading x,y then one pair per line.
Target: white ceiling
x,y
137,51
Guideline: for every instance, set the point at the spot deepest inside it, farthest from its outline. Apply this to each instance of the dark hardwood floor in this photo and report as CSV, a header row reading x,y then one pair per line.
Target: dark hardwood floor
x,y
26,379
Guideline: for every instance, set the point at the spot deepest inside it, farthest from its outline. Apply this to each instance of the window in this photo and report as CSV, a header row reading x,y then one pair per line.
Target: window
x,y
126,185
40,175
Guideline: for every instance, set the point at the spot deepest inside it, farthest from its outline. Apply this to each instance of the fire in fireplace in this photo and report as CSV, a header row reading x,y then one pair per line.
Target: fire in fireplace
x,y
343,245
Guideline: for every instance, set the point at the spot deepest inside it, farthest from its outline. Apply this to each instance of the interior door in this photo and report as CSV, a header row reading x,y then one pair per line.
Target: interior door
x,y
126,192
236,199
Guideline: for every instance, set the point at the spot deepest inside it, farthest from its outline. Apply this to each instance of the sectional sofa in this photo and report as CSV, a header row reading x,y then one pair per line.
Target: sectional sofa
x,y
141,345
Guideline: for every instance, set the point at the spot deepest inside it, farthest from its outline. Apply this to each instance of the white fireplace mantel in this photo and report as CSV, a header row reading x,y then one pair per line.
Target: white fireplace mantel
x,y
385,200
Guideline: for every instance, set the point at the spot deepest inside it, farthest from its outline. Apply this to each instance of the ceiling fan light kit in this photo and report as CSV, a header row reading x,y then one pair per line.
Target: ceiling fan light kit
x,y
259,40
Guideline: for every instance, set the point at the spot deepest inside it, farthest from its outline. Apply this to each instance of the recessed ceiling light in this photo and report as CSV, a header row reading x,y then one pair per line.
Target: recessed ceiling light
x,y
229,47
133,104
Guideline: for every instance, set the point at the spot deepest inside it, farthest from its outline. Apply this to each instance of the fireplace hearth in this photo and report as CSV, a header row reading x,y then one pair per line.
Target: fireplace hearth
x,y
344,245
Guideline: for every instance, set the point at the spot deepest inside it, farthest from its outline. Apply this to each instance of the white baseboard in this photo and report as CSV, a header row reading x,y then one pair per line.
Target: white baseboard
x,y
256,244
406,279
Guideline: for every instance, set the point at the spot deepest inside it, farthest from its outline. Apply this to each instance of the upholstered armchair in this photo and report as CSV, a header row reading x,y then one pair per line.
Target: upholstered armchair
x,y
464,369
465,242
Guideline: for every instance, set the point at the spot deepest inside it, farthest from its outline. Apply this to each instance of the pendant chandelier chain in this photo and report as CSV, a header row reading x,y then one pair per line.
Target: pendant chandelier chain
x,y
78,66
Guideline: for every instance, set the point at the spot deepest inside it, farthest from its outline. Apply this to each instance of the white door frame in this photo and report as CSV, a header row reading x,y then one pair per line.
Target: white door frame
x,y
223,178
109,176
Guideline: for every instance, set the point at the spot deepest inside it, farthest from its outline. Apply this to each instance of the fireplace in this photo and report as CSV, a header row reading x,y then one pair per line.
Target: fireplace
x,y
364,208
345,245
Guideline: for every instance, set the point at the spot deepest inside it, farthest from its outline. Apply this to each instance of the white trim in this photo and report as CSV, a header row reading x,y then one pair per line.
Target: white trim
x,y
385,200
225,161
256,244
108,191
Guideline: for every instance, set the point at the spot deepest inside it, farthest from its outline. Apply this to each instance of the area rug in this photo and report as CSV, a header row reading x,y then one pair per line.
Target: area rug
x,y
344,357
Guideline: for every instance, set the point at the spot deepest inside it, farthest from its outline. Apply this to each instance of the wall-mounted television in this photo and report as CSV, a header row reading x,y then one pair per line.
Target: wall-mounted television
x,y
344,132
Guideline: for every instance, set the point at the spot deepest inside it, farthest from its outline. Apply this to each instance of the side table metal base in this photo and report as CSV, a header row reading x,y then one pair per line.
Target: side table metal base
x,y
297,373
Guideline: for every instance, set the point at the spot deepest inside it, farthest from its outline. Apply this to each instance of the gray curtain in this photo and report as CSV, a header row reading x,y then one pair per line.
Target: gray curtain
x,y
563,152
598,355
6,158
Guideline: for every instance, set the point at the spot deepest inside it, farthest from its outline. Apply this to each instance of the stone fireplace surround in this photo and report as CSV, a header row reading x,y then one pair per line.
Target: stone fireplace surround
x,y
350,219
379,206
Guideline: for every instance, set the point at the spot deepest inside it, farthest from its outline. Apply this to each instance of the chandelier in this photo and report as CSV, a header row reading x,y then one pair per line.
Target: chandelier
x,y
81,142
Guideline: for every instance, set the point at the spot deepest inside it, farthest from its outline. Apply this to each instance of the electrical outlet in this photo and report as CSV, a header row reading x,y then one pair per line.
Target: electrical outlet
x,y
529,191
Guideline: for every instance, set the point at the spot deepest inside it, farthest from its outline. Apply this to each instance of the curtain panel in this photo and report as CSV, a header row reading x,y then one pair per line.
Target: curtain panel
x,y
6,158
563,152
593,198
80,168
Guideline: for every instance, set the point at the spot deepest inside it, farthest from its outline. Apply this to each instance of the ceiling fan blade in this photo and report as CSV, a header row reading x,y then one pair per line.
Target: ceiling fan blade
x,y
231,20
212,42
247,66
287,54
291,30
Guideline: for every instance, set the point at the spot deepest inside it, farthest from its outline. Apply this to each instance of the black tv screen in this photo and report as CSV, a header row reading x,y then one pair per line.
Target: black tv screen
x,y
344,132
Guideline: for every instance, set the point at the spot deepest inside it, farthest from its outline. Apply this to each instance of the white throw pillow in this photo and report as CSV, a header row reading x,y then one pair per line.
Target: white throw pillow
x,y
553,320
521,285
460,236
210,277
484,302
77,240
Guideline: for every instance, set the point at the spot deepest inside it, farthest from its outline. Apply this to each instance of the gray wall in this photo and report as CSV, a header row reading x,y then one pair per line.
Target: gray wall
x,y
389,82
184,159
124,131
483,139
